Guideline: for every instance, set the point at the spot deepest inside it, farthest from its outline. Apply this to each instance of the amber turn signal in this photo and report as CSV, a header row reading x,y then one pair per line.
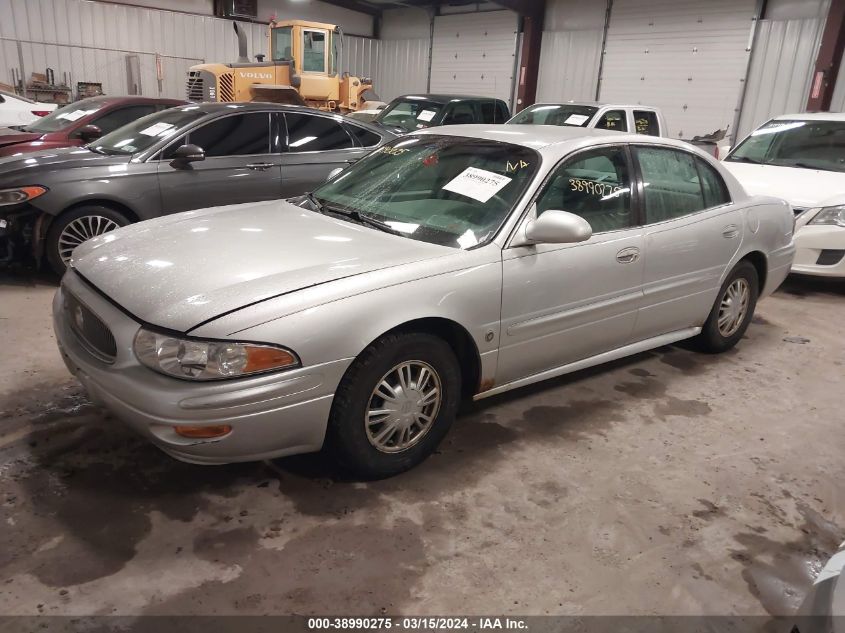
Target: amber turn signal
x,y
264,358
203,432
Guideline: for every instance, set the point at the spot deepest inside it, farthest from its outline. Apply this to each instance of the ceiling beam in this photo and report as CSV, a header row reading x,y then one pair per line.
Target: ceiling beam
x,y
356,5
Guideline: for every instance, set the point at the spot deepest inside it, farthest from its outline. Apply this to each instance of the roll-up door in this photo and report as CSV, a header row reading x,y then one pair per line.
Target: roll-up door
x,y
473,53
688,57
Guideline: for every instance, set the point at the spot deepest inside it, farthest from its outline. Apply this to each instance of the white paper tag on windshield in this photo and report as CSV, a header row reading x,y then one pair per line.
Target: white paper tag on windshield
x,y
426,115
478,184
156,129
576,119
72,116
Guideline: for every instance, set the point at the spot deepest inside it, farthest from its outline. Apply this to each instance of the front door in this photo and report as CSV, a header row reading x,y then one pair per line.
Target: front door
x,y
316,145
238,167
565,302
692,231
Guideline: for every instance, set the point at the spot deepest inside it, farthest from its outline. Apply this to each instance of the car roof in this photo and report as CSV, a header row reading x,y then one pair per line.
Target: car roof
x,y
442,98
551,139
251,106
111,100
812,116
595,104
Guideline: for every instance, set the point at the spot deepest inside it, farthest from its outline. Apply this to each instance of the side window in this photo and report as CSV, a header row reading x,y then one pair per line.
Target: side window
x,y
488,111
313,51
309,133
712,186
364,137
237,135
613,120
670,183
596,185
645,122
119,117
461,112
502,113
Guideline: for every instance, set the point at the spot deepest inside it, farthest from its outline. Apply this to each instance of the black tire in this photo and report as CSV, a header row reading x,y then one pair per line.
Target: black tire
x,y
52,247
347,436
711,339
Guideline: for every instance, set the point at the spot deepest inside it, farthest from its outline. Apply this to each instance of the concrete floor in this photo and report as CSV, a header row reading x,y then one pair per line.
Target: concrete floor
x,y
668,483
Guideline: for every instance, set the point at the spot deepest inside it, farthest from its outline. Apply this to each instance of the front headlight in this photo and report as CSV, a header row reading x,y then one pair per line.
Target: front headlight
x,y
195,359
20,194
830,215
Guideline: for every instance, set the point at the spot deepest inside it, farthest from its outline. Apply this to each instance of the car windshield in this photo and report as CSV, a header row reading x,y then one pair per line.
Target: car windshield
x,y
446,190
556,114
64,117
146,131
804,144
410,114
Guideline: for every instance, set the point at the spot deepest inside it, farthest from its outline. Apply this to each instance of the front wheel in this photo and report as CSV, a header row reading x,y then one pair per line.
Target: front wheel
x,y
72,228
394,405
732,312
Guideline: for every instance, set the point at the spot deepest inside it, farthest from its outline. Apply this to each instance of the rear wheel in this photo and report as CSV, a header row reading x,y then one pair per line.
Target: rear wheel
x,y
732,312
394,405
72,228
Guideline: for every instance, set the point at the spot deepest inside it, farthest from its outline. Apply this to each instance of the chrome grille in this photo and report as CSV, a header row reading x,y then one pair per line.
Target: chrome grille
x,y
227,87
94,335
194,88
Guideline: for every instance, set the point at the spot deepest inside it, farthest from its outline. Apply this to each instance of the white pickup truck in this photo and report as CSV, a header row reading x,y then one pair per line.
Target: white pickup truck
x,y
608,116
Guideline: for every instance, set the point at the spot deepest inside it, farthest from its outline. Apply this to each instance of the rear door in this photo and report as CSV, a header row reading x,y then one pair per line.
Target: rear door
x,y
315,145
692,231
238,167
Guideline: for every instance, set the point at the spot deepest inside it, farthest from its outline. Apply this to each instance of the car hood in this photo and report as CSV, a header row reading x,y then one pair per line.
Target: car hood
x,y
186,269
16,168
8,136
802,188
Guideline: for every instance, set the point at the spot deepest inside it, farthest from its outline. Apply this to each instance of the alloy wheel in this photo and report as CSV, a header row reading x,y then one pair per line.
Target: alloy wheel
x,y
82,229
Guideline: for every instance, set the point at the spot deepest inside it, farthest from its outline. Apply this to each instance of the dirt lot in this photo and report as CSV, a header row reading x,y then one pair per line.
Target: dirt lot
x,y
668,483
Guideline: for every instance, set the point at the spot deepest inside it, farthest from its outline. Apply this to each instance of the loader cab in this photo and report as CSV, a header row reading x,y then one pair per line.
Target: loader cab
x,y
309,45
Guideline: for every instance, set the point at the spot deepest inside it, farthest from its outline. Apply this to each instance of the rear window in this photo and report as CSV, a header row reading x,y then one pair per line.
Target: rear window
x,y
556,114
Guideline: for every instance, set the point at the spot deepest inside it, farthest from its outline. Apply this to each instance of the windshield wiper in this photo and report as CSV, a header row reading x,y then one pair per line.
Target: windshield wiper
x,y
809,166
356,216
745,159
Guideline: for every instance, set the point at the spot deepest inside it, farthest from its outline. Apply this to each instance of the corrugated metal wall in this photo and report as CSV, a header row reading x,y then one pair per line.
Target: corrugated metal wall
x,y
779,79
402,68
687,57
569,65
474,53
89,41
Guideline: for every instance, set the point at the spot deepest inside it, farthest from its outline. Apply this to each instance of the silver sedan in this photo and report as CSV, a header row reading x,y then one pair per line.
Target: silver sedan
x,y
453,263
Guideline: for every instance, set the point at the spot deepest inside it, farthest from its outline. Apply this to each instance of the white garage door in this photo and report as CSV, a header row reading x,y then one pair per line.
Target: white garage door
x,y
686,56
473,54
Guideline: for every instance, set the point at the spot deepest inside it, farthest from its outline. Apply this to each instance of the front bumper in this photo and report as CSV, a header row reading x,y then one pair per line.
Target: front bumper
x,y
816,244
271,415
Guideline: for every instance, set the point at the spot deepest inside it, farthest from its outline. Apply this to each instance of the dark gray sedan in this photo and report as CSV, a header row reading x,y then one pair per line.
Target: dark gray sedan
x,y
184,158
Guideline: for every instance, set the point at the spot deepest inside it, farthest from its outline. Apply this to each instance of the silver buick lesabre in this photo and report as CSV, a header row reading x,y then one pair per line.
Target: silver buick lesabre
x,y
457,262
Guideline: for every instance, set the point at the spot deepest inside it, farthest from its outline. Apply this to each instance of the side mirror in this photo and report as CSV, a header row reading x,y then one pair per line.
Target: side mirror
x,y
187,154
334,172
558,227
88,133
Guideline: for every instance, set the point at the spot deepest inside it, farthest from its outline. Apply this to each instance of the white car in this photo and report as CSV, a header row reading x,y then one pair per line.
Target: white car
x,y
604,116
17,110
801,158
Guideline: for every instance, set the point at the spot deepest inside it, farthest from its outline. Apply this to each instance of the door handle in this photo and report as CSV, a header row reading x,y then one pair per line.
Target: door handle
x,y
628,255
259,166
730,231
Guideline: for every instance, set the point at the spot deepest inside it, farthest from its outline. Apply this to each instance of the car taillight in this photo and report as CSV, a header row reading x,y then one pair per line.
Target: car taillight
x,y
40,112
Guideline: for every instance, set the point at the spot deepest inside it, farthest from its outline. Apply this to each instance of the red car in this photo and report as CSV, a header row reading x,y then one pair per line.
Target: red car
x,y
79,123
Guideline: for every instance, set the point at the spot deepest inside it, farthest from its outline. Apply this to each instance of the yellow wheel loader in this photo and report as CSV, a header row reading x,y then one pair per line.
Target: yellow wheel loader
x,y
302,69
